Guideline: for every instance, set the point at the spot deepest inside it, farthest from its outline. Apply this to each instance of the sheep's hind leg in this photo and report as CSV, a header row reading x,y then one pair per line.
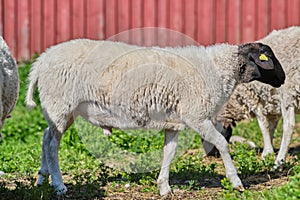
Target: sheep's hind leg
x,y
43,172
268,149
264,125
52,161
51,147
170,145
288,127
209,133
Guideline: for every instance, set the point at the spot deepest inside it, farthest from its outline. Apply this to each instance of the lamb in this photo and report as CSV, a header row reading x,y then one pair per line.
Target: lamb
x,y
113,84
9,82
269,104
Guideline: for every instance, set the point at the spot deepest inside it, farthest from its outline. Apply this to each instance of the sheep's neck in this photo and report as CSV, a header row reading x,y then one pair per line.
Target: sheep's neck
x,y
227,67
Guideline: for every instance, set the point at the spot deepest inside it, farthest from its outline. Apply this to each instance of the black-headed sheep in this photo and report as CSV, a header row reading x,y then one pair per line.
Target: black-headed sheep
x,y
269,104
113,84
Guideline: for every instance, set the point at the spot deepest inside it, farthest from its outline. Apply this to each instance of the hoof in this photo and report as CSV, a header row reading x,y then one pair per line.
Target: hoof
x,y
236,183
278,165
239,188
43,179
277,168
164,188
60,189
164,192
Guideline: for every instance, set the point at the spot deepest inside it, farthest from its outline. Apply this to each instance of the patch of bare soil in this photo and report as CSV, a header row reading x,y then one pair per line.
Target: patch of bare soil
x,y
209,189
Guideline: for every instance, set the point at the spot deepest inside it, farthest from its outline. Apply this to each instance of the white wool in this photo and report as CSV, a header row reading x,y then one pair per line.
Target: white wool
x,y
269,104
116,85
9,82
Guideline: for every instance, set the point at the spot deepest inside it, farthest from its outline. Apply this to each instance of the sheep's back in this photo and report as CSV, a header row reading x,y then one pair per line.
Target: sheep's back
x,y
110,73
144,81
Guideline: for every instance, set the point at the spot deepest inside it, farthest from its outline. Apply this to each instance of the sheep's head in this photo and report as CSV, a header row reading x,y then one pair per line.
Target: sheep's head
x,y
259,63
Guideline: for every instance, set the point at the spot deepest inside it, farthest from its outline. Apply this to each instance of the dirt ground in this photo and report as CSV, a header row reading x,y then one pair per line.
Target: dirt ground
x,y
205,187
210,187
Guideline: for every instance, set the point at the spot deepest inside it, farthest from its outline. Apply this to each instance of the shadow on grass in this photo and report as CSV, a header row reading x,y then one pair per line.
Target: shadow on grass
x,y
292,150
23,190
188,180
214,181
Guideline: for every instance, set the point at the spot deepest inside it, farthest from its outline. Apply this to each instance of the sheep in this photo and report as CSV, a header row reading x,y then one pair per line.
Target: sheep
x,y
269,104
116,85
9,82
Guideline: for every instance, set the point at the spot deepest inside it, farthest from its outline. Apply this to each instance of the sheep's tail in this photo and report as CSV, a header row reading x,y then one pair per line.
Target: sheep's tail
x,y
3,44
33,79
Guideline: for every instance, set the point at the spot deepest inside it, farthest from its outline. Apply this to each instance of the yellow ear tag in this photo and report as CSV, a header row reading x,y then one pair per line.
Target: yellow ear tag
x,y
263,57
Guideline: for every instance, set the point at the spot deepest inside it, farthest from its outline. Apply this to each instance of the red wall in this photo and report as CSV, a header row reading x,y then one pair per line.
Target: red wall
x,y
30,26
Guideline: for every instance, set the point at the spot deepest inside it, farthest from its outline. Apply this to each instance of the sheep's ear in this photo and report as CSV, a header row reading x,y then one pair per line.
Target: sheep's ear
x,y
262,60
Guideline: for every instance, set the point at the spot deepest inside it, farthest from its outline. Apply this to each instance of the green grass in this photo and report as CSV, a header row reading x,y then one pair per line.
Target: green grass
x,y
87,177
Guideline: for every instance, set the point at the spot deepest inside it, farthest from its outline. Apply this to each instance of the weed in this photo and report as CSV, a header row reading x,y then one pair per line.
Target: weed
x,y
246,160
227,185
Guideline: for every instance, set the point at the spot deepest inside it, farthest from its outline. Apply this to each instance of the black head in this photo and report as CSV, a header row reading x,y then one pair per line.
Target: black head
x,y
259,63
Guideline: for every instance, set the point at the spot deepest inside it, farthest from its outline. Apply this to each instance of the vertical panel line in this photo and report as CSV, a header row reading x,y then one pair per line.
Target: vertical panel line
x,y
286,13
256,20
104,19
226,19
85,20
156,13
2,17
30,29
55,21
71,20
16,45
214,20
42,24
142,15
168,15
240,7
117,28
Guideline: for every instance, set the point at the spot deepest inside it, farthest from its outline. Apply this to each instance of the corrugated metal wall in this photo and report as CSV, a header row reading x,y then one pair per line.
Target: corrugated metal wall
x,y
30,26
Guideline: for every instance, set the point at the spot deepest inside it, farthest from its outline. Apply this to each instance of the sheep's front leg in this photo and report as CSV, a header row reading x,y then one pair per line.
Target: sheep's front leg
x,y
288,127
170,145
52,161
43,172
209,133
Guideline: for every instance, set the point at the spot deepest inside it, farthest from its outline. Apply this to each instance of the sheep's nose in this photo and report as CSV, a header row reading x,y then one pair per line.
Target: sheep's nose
x,y
282,78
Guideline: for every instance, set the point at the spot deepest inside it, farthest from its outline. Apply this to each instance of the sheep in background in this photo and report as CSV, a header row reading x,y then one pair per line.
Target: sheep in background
x,y
269,104
112,84
9,82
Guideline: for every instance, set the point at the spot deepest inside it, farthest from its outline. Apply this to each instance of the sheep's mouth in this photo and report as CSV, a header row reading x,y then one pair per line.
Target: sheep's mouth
x,y
277,83
271,78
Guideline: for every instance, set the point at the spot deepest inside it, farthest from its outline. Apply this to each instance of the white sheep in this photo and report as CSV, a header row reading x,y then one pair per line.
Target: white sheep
x,y
269,104
9,82
113,84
